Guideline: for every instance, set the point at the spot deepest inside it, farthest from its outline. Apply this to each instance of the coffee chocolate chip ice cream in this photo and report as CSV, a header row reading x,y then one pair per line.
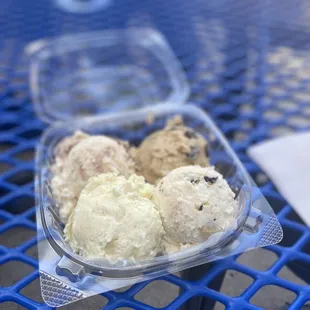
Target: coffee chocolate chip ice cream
x,y
194,202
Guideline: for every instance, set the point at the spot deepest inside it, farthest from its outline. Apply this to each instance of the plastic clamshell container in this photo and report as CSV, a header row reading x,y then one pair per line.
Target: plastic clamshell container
x,y
254,224
129,80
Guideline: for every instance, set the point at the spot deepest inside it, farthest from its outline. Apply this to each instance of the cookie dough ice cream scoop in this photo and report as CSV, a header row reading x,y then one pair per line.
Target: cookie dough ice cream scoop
x,y
194,203
115,218
174,146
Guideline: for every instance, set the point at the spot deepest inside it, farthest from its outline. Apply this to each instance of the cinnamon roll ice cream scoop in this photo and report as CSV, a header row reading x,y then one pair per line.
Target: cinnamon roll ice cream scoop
x,y
90,157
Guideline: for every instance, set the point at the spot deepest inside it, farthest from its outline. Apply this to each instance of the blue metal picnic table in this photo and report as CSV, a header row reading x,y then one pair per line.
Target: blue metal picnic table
x,y
233,53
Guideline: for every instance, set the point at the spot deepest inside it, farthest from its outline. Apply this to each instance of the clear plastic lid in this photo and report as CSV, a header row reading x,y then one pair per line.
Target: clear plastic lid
x,y
98,72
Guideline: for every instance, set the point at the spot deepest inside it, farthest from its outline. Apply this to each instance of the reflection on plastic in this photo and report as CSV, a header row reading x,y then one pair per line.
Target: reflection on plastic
x,y
83,6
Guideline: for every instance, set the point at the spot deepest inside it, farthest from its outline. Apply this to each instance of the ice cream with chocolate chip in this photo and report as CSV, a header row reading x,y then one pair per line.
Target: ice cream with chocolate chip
x,y
194,203
174,146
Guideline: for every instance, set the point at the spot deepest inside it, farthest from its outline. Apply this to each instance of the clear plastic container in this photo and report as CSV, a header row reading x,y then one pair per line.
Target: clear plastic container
x,y
147,60
133,127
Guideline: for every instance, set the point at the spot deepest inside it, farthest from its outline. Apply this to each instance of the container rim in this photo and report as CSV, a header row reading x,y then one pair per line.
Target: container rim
x,y
157,263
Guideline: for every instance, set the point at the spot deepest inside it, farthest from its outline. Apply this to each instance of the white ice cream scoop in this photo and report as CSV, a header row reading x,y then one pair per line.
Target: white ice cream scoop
x,y
194,203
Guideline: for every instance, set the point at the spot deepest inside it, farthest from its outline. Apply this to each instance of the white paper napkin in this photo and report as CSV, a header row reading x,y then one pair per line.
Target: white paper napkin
x,y
286,160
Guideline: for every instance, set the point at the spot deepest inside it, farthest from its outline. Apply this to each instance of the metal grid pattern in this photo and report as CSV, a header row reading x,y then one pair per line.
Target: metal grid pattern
x,y
245,77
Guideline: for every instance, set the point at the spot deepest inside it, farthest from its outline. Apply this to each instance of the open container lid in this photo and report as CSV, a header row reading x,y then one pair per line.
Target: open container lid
x,y
99,72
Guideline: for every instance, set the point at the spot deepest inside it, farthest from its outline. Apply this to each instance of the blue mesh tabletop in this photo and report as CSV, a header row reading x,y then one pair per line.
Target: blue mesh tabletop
x,y
238,59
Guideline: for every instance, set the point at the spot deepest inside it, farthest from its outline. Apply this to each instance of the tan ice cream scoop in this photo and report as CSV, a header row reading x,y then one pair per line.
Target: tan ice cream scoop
x,y
174,146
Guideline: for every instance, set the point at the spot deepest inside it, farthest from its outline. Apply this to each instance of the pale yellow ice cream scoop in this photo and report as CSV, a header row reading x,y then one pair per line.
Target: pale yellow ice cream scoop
x,y
115,218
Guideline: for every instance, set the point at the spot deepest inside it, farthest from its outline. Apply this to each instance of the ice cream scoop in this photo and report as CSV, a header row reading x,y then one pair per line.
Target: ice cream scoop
x,y
194,203
63,148
93,155
65,145
115,218
174,146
